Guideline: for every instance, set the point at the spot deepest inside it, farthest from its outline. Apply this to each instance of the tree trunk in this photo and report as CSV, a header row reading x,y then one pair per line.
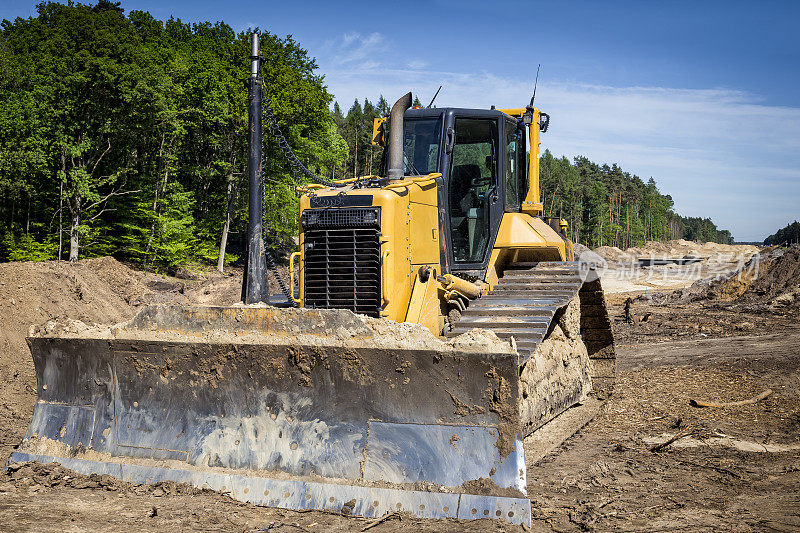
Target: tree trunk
x,y
160,161
223,242
75,210
61,204
60,219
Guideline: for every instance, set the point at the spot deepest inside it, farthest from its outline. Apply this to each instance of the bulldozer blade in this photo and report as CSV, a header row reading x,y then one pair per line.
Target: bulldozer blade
x,y
299,409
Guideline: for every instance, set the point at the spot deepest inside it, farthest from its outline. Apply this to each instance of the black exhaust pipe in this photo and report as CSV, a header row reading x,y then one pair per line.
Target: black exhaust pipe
x,y
396,137
254,285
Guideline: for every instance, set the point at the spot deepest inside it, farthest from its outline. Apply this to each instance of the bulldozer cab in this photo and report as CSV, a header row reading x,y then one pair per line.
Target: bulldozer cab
x,y
481,157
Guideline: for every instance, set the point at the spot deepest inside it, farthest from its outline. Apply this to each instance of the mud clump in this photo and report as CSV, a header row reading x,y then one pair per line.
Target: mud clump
x,y
353,367
21,477
304,363
487,487
502,402
463,409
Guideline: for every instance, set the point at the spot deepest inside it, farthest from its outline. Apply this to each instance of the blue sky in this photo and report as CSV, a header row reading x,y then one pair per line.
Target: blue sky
x,y
703,96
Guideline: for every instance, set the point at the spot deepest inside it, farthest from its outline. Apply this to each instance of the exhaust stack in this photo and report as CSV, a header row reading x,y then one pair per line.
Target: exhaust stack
x,y
396,137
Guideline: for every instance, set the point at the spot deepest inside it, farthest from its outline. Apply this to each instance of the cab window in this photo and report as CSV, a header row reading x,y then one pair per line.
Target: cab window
x,y
514,171
421,145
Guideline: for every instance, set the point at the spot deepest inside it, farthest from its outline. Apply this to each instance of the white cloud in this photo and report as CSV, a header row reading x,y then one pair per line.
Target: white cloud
x,y
353,50
718,152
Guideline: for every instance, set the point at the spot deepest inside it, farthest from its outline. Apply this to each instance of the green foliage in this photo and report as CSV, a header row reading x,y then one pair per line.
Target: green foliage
x,y
173,238
25,248
704,230
784,236
129,134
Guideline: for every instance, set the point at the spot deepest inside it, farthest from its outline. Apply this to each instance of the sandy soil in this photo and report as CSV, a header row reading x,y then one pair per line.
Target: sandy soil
x,y
604,478
621,271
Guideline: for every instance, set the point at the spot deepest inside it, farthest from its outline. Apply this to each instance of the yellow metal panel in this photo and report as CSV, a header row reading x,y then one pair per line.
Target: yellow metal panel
x,y
397,277
424,307
519,230
424,234
515,112
522,237
494,268
424,224
305,203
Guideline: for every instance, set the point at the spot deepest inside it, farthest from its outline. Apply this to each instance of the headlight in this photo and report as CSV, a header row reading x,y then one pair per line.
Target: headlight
x,y
370,217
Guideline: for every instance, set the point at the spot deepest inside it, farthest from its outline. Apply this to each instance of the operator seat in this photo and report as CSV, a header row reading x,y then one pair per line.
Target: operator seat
x,y
461,185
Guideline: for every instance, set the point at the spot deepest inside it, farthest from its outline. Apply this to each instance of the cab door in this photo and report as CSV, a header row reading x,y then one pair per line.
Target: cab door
x,y
473,196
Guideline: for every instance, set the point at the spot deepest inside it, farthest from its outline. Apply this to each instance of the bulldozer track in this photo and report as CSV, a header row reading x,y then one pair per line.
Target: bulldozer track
x,y
527,299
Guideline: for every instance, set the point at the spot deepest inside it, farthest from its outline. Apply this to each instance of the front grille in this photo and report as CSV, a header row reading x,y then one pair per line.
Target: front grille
x,y
327,218
342,267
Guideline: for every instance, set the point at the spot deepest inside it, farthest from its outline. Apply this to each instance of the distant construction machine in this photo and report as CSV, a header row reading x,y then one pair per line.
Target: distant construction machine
x,y
320,408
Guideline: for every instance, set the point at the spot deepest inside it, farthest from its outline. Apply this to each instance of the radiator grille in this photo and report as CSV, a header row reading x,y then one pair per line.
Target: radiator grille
x,y
327,218
342,264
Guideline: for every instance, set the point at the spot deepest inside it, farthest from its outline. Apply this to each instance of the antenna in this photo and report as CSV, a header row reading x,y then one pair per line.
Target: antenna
x,y
435,95
535,84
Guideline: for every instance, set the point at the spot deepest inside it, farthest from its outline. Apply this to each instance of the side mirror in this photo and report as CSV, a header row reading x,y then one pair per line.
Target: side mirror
x,y
544,122
379,132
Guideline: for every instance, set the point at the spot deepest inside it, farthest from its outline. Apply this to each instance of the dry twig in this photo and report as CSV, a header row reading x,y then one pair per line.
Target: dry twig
x,y
720,469
703,403
382,520
685,432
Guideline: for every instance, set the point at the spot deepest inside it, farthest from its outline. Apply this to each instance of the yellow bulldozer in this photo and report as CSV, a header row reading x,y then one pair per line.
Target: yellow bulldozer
x,y
440,322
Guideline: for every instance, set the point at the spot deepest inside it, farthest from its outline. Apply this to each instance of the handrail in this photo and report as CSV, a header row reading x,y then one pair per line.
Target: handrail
x,y
384,267
346,181
416,179
310,186
291,276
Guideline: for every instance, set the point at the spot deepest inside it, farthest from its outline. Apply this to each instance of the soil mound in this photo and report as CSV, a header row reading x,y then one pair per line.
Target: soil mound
x,y
777,280
680,248
767,282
